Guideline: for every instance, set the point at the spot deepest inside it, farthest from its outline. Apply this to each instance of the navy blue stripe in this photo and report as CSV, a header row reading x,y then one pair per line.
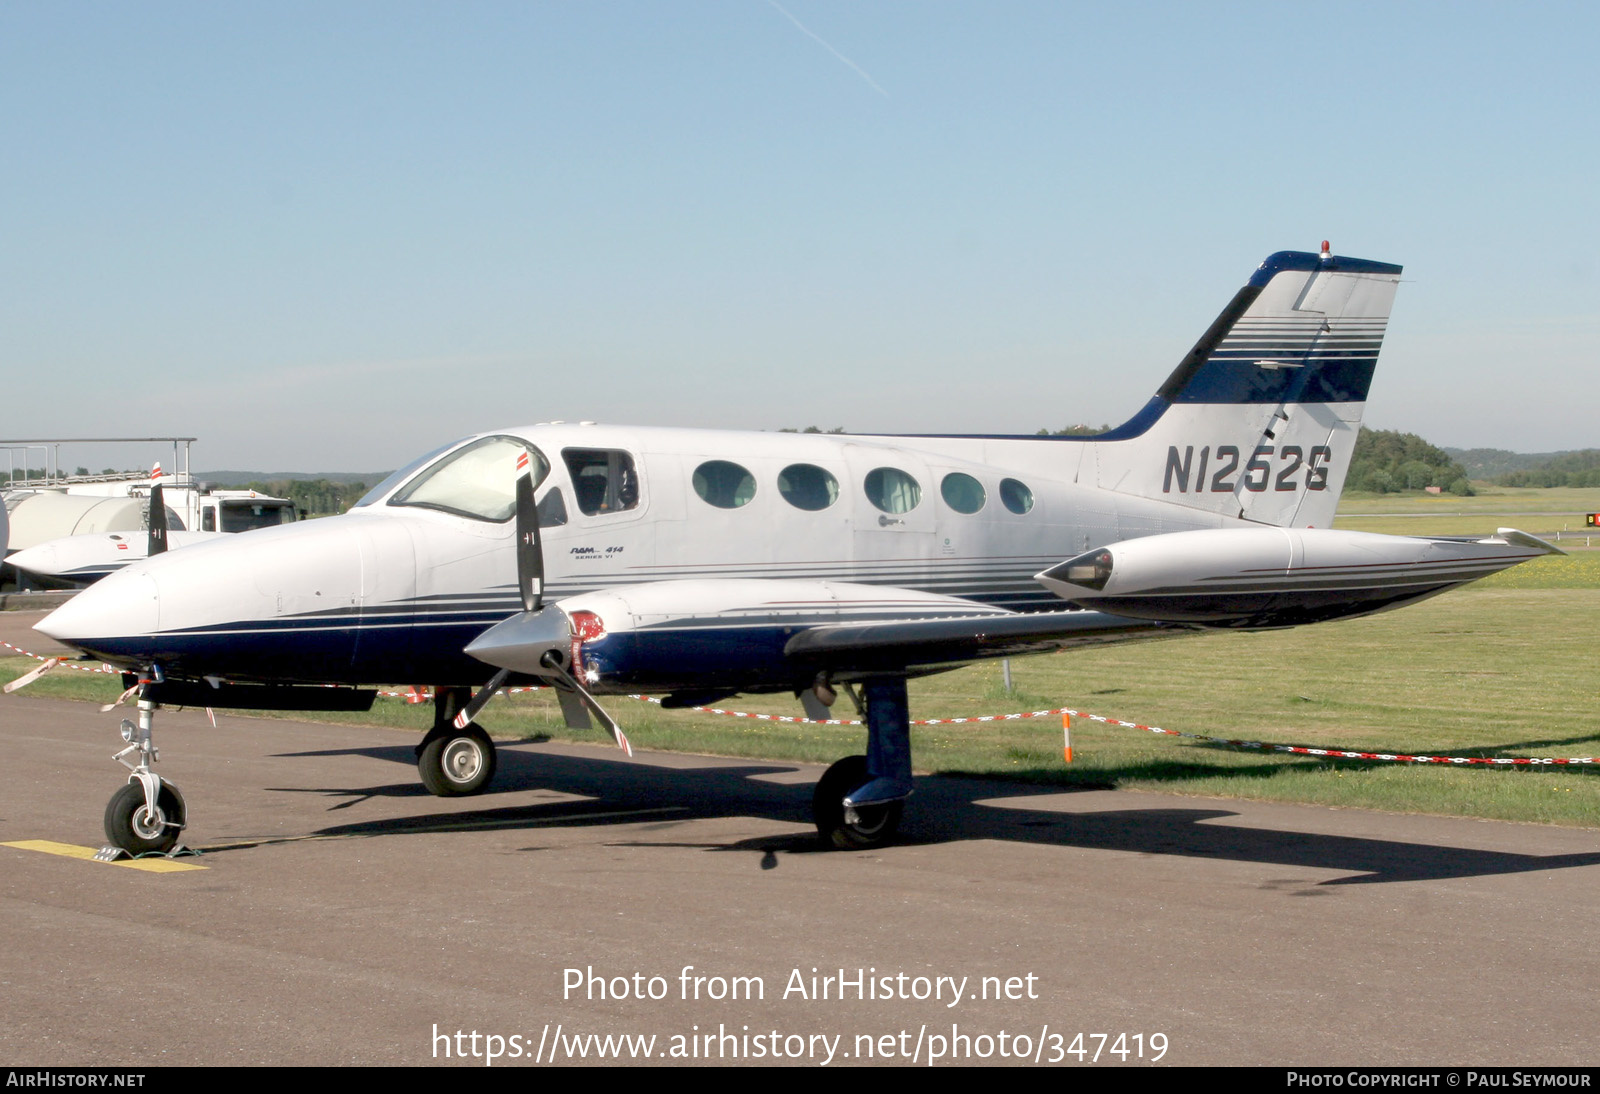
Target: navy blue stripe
x,y
1336,380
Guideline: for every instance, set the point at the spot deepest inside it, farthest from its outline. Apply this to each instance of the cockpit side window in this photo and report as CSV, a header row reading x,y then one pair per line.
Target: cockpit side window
x,y
552,510
603,480
478,481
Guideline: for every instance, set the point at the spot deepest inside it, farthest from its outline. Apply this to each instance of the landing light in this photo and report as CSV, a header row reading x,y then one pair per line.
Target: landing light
x,y
1092,570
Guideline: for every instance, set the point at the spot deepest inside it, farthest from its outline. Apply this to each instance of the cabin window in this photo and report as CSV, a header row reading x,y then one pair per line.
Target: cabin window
x,y
723,484
892,490
477,481
1016,496
603,480
807,486
208,521
552,510
963,493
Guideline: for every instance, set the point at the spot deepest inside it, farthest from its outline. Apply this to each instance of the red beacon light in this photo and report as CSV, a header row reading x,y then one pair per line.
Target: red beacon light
x,y
1327,254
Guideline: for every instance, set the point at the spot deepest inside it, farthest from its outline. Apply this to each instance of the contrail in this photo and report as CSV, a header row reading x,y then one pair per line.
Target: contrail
x,y
807,31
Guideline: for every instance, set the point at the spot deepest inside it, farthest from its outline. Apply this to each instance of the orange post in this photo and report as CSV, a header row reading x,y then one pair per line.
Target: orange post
x,y
1066,737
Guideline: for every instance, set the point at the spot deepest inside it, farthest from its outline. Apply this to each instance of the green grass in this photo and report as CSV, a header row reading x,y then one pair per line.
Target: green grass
x,y
1506,667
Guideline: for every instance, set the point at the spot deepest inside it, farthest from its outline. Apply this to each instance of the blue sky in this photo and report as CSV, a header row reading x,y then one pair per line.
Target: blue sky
x,y
331,236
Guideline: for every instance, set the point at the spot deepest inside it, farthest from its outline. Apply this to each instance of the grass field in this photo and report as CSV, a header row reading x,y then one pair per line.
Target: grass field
x,y
1543,512
1506,667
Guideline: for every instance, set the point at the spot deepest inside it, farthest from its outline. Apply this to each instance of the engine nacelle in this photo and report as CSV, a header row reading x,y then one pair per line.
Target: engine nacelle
x,y
1278,577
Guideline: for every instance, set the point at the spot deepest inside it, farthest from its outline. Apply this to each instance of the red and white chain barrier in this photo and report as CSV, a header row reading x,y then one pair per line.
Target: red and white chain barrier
x,y
81,668
424,694
1069,712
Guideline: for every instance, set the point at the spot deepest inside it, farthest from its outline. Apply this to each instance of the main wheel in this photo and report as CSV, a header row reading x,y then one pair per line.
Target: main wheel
x,y
131,826
458,763
875,824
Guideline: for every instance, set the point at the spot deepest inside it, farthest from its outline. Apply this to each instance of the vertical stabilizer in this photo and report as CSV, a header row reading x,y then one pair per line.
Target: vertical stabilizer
x,y
1260,418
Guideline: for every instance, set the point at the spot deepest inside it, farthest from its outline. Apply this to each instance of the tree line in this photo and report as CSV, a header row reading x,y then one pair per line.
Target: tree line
x,y
316,497
1567,469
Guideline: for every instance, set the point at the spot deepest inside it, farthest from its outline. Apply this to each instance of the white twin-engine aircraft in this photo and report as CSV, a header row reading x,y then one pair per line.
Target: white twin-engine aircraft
x,y
699,564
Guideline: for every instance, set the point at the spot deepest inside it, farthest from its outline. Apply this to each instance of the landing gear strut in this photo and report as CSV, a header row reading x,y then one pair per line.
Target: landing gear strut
x,y
454,762
858,801
147,814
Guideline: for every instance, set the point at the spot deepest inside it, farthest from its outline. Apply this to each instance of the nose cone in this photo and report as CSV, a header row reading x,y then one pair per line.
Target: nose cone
x,y
274,603
40,560
123,606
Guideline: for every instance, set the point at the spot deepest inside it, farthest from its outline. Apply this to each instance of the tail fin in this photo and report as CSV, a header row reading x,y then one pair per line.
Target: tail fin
x,y
1259,420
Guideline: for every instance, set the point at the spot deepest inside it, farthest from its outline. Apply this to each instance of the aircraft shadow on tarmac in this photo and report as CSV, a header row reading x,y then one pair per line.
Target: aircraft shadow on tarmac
x,y
944,810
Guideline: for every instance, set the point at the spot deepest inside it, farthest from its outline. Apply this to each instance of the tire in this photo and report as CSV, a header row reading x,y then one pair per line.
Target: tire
x,y
458,763
130,827
875,825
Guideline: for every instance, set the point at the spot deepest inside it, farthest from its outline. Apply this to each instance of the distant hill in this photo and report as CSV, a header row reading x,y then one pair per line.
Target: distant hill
x,y
1489,463
1573,467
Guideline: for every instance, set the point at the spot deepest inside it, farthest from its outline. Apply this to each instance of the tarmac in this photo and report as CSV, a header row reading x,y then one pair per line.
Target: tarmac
x,y
340,915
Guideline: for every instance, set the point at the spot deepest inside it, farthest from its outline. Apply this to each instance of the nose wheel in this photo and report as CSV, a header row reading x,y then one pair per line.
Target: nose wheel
x,y
139,829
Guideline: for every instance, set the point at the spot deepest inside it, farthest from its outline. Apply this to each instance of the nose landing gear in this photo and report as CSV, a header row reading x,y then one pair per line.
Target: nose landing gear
x,y
147,814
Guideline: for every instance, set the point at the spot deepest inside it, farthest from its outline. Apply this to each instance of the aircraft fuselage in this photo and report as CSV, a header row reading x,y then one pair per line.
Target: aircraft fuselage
x,y
392,592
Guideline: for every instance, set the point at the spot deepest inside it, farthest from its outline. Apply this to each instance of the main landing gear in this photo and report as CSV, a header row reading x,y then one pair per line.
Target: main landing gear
x,y
147,814
858,801
454,762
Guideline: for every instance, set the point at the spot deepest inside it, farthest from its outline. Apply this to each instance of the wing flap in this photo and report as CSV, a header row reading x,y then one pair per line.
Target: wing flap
x,y
910,643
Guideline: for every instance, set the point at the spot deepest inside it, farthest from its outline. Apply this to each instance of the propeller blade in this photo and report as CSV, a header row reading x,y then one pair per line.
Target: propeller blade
x,y
530,552
605,719
157,521
567,682
476,703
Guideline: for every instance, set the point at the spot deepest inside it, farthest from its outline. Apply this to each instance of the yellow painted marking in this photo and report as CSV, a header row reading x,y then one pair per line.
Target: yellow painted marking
x,y
71,850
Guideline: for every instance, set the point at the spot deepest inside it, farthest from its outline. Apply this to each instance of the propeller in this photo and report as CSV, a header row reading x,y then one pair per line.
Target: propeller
x,y
530,551
538,640
157,518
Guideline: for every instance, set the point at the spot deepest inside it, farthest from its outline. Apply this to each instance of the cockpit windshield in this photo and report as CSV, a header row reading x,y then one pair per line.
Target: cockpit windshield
x,y
477,481
395,478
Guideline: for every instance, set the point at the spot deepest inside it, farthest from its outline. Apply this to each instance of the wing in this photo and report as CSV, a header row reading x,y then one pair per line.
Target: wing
x,y
775,635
